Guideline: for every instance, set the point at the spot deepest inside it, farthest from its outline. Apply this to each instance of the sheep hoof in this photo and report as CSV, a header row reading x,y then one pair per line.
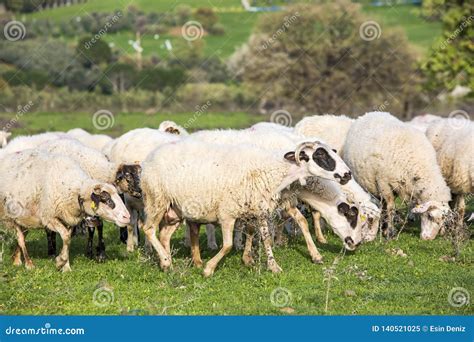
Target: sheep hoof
x,y
29,265
198,263
275,268
66,268
318,260
60,262
248,261
17,262
131,248
165,265
212,246
322,240
208,272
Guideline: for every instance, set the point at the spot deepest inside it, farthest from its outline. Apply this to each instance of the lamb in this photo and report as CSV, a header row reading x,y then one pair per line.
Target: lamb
x,y
4,138
97,166
95,141
389,158
172,127
210,184
330,128
39,189
453,141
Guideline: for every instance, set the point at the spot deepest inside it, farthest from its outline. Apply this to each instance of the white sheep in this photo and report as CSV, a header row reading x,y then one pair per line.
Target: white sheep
x,y
97,166
421,122
205,183
4,138
390,158
95,141
39,190
25,142
453,141
330,128
172,127
271,126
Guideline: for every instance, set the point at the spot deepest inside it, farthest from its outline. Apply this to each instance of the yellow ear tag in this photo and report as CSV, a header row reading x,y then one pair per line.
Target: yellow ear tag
x,y
363,218
93,206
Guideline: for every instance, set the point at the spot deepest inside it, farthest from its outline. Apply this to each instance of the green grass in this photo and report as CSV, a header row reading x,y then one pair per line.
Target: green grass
x,y
369,281
32,123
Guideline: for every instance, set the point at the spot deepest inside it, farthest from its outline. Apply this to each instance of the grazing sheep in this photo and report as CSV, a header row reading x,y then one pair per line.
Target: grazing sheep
x,y
4,138
39,189
206,183
390,158
97,166
272,139
172,127
330,128
453,141
95,141
421,122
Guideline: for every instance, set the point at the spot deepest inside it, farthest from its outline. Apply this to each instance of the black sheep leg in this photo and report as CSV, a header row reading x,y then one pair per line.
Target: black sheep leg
x,y
101,243
90,241
51,242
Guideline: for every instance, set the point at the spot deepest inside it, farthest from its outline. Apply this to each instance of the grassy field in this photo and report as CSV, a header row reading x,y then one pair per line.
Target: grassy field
x,y
238,24
33,123
369,281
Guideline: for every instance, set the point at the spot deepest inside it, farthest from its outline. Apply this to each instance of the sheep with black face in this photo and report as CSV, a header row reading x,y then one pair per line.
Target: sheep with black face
x,y
43,190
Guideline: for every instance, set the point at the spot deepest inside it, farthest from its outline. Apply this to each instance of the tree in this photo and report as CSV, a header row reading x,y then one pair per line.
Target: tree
x,y
160,78
93,51
450,59
313,58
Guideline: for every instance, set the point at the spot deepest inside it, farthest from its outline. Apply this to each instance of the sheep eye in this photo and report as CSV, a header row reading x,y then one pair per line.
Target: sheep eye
x,y
334,150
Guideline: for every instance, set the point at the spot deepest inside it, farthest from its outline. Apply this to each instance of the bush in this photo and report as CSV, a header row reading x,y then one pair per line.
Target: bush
x,y
160,78
321,64
93,51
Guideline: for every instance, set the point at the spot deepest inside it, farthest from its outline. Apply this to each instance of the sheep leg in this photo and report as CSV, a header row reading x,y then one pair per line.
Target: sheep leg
x,y
62,260
211,237
317,227
279,235
100,242
16,257
460,207
166,232
20,235
51,236
131,238
149,229
389,210
187,236
303,224
90,242
194,236
227,235
238,236
247,255
267,243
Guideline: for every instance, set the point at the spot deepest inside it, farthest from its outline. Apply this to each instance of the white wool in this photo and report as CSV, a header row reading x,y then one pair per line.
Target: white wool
x,y
421,122
25,142
453,140
93,162
330,128
95,141
134,146
172,127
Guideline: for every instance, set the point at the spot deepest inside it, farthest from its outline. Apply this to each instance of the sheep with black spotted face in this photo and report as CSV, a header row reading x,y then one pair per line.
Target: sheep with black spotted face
x,y
172,127
43,190
391,158
207,182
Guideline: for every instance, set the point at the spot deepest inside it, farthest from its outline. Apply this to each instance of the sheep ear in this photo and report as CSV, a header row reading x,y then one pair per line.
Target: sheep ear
x,y
97,189
422,208
290,156
95,200
470,218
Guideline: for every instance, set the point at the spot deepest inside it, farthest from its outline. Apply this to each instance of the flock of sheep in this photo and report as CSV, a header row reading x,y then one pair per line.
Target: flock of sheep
x,y
347,171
